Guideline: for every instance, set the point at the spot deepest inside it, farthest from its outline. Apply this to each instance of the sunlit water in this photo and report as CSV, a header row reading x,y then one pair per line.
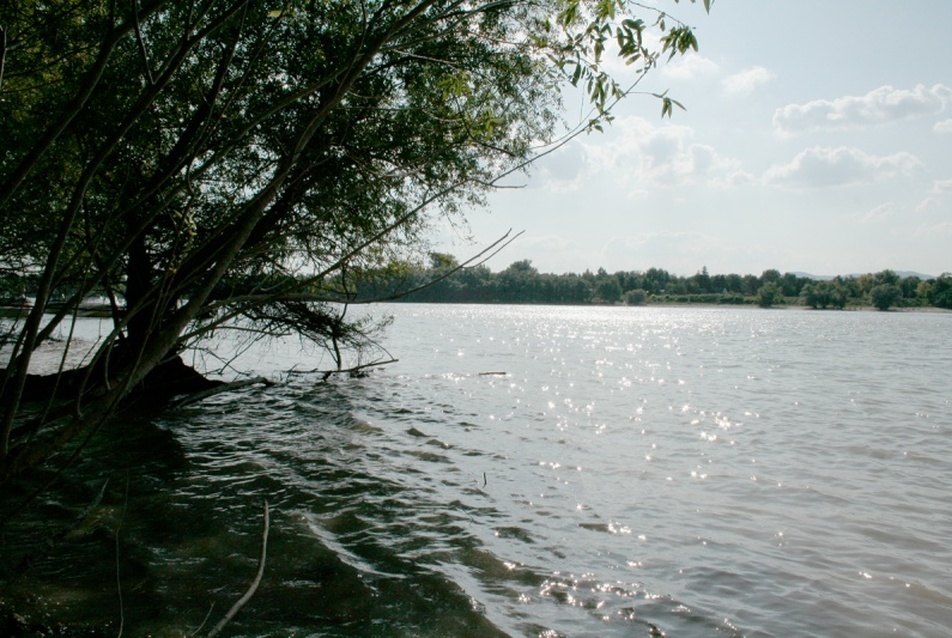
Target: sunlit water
x,y
622,472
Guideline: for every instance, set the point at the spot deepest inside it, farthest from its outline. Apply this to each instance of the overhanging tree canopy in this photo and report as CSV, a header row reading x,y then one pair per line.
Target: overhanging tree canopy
x,y
213,162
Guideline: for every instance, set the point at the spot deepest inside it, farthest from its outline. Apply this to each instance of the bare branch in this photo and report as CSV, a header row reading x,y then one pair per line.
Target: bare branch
x,y
254,583
3,53
139,41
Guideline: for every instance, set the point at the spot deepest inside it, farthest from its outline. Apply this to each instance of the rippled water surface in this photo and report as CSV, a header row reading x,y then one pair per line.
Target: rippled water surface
x,y
539,471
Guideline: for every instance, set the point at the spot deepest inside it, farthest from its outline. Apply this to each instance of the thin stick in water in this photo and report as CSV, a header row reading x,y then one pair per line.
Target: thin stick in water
x,y
254,584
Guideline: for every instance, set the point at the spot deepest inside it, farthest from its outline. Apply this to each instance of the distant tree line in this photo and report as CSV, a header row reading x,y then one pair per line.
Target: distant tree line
x,y
444,281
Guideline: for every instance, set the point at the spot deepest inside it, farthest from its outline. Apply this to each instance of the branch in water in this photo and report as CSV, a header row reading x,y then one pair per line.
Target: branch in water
x,y
254,584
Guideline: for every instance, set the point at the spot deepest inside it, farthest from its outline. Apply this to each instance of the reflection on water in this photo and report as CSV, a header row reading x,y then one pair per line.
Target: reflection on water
x,y
636,471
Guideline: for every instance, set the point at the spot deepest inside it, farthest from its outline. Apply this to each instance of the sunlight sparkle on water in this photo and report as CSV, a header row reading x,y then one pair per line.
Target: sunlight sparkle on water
x,y
702,524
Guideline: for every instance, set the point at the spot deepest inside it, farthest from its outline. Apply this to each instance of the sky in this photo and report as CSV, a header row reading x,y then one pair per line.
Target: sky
x,y
817,139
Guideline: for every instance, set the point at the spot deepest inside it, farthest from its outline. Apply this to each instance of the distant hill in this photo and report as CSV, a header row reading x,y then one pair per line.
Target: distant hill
x,y
902,273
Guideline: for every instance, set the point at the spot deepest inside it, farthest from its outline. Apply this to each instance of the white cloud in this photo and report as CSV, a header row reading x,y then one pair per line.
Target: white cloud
x,y
885,104
945,126
690,67
933,231
937,196
682,251
548,242
927,204
748,80
879,214
942,186
842,166
732,179
564,170
648,154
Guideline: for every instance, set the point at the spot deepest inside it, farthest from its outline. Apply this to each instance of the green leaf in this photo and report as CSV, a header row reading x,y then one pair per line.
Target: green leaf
x,y
668,104
605,10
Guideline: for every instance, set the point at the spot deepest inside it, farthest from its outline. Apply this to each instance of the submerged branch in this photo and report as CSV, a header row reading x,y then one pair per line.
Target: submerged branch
x,y
218,389
27,561
254,584
355,371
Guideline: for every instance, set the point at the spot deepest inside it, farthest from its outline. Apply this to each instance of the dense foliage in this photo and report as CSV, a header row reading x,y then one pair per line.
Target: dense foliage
x,y
521,282
213,164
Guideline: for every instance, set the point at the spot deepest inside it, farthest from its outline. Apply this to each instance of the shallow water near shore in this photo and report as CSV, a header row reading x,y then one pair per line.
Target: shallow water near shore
x,y
538,471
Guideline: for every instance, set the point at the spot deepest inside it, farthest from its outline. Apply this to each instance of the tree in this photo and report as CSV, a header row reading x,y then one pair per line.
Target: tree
x,y
630,280
607,288
768,295
519,283
443,261
750,284
216,164
701,281
791,284
863,284
636,297
824,294
656,280
770,276
886,277
884,296
909,287
734,283
940,292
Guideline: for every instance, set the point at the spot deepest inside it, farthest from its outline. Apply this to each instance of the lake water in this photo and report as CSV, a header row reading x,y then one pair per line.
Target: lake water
x,y
619,472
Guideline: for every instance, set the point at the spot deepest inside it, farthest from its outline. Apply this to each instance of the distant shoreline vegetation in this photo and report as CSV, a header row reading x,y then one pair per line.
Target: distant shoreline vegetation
x,y
446,281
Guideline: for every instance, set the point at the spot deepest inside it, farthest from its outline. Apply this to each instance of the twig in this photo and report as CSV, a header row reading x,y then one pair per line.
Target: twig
x,y
254,584
141,43
3,52
355,371
122,613
207,616
27,561
224,387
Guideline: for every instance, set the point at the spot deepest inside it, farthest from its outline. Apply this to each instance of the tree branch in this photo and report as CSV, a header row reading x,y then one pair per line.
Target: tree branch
x,y
254,583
